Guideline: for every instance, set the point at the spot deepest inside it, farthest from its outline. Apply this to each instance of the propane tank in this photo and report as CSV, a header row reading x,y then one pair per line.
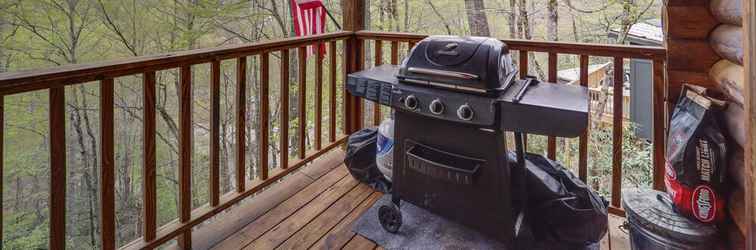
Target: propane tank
x,y
385,148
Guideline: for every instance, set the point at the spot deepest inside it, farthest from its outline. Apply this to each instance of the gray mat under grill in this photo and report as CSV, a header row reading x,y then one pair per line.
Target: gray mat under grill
x,y
421,230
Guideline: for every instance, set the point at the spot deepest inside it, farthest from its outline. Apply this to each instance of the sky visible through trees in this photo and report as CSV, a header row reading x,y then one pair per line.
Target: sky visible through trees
x,y
36,34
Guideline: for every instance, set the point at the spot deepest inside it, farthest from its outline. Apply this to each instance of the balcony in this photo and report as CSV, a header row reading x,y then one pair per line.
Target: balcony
x,y
306,198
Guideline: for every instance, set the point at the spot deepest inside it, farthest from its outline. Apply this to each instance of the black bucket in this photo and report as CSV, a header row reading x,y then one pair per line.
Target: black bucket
x,y
654,224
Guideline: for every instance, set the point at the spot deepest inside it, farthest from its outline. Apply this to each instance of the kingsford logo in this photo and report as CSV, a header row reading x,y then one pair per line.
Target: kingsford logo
x,y
703,203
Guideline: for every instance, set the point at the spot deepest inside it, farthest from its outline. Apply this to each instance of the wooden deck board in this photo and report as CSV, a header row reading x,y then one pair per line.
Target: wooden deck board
x,y
282,211
225,225
340,234
619,239
298,220
319,226
320,216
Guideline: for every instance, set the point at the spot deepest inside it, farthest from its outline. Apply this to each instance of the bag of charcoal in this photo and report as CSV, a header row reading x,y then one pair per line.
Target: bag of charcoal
x,y
696,156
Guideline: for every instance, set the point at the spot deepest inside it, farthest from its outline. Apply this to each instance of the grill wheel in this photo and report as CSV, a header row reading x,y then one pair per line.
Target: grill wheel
x,y
390,218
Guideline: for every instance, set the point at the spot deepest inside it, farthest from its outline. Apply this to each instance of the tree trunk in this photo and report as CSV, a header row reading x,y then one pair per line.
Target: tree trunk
x,y
524,24
552,26
476,18
406,16
512,19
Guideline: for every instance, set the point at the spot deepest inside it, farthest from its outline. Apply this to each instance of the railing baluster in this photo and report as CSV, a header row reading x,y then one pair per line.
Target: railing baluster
x,y
302,107
394,52
185,153
215,133
523,73
57,116
284,127
359,104
149,185
583,142
378,62
332,95
352,104
619,74
551,147
318,99
264,113
107,171
659,124
2,153
241,107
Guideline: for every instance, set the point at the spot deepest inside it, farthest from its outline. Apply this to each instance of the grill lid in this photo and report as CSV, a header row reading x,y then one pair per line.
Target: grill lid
x,y
450,51
479,64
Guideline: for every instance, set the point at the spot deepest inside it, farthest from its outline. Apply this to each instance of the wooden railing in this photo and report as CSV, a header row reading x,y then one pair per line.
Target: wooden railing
x,y
54,81
584,51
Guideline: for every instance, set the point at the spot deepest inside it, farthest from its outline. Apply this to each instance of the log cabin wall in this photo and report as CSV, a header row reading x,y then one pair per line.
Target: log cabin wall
x,y
687,26
749,40
705,48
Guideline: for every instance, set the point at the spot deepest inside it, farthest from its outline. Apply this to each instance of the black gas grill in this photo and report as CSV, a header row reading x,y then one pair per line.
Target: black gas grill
x,y
454,97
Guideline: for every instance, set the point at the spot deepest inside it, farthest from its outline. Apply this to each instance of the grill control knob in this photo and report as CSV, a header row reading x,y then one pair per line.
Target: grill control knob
x,y
436,107
411,102
465,112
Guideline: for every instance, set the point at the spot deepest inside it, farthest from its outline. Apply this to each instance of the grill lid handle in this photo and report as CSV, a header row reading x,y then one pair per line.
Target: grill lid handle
x,y
444,73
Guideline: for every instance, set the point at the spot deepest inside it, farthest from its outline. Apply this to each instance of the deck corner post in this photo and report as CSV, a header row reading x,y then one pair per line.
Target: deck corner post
x,y
353,20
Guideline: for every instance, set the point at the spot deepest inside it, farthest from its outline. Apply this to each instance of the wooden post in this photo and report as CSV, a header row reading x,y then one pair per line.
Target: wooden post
x,y
302,102
214,189
241,102
264,114
617,132
284,138
185,154
332,92
57,203
552,78
149,159
107,166
583,141
353,20
2,153
660,124
749,42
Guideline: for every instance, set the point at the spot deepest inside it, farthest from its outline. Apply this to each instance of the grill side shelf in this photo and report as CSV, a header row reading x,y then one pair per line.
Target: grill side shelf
x,y
374,84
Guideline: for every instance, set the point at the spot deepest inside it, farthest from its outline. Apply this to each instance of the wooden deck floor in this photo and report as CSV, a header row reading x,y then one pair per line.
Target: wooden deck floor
x,y
314,209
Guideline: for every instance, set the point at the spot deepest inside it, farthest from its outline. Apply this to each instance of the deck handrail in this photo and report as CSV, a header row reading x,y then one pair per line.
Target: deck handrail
x,y
30,80
591,49
55,79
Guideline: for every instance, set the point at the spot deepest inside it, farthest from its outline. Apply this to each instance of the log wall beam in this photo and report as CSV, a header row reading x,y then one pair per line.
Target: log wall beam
x,y
749,42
